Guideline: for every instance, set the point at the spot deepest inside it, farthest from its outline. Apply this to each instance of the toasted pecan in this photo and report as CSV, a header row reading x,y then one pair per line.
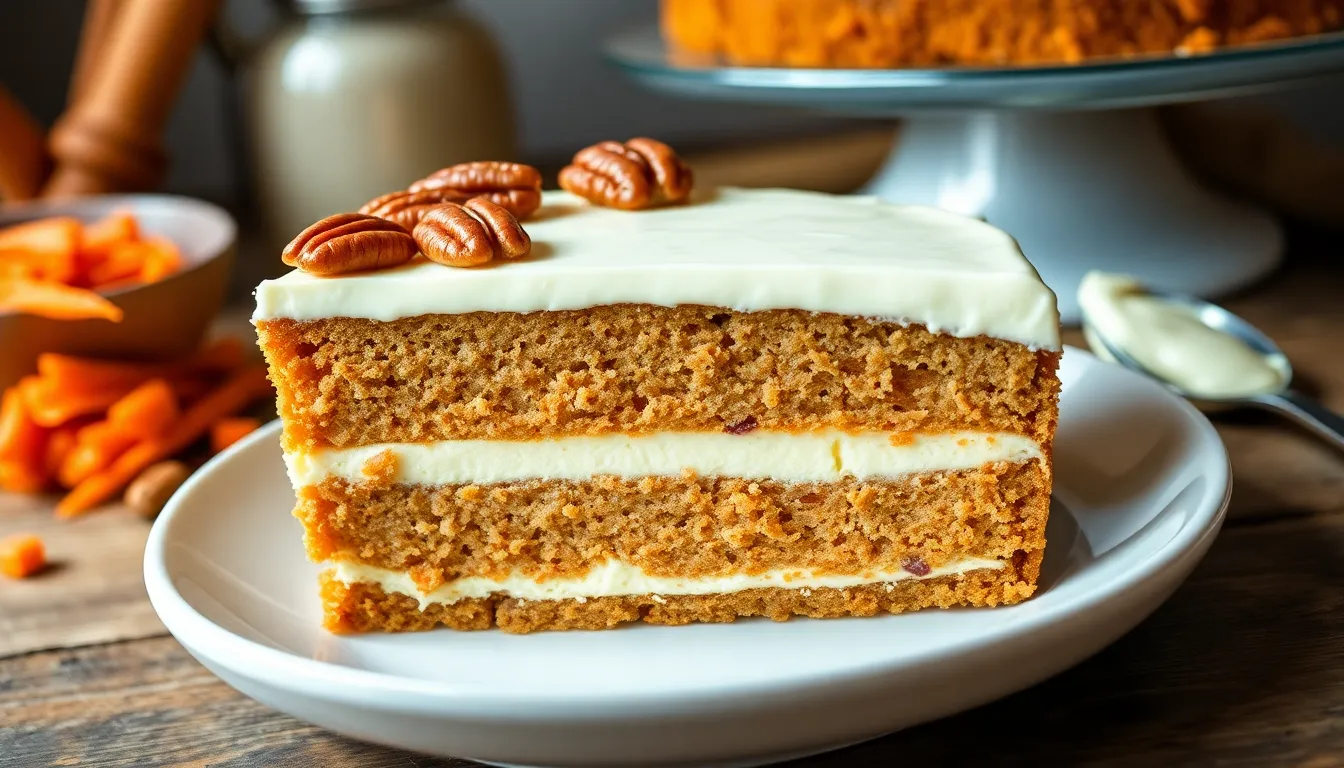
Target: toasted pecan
x,y
641,173
349,242
402,207
513,186
470,234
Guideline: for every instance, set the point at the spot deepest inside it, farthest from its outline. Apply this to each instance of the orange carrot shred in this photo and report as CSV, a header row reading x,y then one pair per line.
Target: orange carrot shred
x,y
146,410
96,447
161,260
240,389
22,555
70,372
51,405
54,300
52,244
123,262
100,236
20,436
17,477
226,432
59,445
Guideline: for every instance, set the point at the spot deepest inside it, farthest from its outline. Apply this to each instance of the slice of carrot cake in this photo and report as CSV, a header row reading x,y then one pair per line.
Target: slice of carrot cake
x,y
757,403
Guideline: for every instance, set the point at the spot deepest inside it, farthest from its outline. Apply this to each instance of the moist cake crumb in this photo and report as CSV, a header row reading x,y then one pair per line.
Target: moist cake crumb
x,y
761,403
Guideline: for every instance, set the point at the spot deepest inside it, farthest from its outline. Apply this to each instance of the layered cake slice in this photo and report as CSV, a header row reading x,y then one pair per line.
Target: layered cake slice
x,y
761,403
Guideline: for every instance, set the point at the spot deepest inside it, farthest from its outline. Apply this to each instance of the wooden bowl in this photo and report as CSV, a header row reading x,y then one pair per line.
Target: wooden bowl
x,y
163,319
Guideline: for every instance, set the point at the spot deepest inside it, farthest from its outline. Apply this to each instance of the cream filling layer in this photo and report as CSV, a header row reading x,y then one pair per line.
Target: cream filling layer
x,y
786,456
615,579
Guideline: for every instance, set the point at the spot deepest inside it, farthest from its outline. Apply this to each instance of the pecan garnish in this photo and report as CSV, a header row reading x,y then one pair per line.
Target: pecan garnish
x,y
470,234
404,207
640,173
349,242
512,186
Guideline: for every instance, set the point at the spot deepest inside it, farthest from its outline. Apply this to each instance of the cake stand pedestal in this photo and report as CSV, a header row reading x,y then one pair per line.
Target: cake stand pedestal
x,y
1071,161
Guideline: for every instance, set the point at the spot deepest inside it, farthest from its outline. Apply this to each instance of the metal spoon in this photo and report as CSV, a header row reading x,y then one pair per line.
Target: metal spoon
x,y
1286,401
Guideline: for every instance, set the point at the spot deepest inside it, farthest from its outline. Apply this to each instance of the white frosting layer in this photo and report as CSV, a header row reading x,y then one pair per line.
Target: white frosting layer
x,y
615,578
1171,341
746,250
793,457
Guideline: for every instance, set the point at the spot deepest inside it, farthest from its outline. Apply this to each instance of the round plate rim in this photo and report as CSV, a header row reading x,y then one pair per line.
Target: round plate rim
x,y
203,637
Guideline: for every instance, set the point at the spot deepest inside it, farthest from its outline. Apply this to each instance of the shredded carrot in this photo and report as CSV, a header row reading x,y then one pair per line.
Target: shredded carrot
x,y
123,262
20,436
96,447
161,260
57,234
22,555
21,477
52,405
52,244
241,388
70,372
54,300
100,236
226,432
59,445
47,266
146,410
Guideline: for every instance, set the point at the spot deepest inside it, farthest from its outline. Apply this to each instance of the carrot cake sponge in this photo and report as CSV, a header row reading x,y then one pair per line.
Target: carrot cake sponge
x,y
755,403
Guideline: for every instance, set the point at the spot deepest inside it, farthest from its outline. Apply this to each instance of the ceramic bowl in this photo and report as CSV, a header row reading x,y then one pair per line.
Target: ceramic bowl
x,y
163,319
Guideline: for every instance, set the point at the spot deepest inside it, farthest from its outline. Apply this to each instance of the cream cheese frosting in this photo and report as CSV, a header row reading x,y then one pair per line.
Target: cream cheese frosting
x,y
746,250
824,456
615,578
1171,340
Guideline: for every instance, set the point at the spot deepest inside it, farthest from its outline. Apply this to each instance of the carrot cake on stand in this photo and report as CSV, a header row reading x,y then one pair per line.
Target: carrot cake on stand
x,y
922,33
754,403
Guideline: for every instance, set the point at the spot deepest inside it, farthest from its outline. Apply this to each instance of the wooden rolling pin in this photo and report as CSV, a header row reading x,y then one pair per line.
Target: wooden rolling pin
x,y
99,16
111,139
23,151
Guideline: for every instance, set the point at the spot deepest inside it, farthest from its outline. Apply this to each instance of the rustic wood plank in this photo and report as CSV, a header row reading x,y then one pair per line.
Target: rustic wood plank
x,y
148,703
93,592
1243,667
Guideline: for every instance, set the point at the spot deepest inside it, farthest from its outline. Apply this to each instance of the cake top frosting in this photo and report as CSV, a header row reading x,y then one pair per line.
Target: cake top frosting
x,y
746,250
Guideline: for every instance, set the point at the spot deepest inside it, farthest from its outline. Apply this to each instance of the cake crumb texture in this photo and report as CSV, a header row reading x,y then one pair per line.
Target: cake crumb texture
x,y
636,369
903,33
678,526
364,607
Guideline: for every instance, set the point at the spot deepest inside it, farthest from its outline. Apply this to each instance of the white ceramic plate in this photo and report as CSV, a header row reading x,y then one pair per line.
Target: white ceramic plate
x,y
1142,483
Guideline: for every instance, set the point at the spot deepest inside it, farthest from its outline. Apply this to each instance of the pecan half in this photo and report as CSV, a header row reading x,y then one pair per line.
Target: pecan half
x,y
512,186
403,207
349,242
640,173
470,234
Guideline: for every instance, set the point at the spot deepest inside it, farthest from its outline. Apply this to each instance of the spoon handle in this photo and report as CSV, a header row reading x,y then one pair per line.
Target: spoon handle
x,y
1308,413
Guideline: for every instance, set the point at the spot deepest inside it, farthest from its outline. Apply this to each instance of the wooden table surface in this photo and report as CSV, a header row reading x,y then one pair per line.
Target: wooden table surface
x,y
1243,667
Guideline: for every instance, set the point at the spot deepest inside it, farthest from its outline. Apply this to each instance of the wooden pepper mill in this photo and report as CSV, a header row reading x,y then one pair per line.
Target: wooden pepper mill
x,y
111,139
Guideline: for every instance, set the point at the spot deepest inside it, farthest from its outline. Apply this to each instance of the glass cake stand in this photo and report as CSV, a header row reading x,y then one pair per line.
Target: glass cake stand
x,y
1070,160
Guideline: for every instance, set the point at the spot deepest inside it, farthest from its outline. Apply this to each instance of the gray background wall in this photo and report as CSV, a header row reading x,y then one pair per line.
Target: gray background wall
x,y
565,94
